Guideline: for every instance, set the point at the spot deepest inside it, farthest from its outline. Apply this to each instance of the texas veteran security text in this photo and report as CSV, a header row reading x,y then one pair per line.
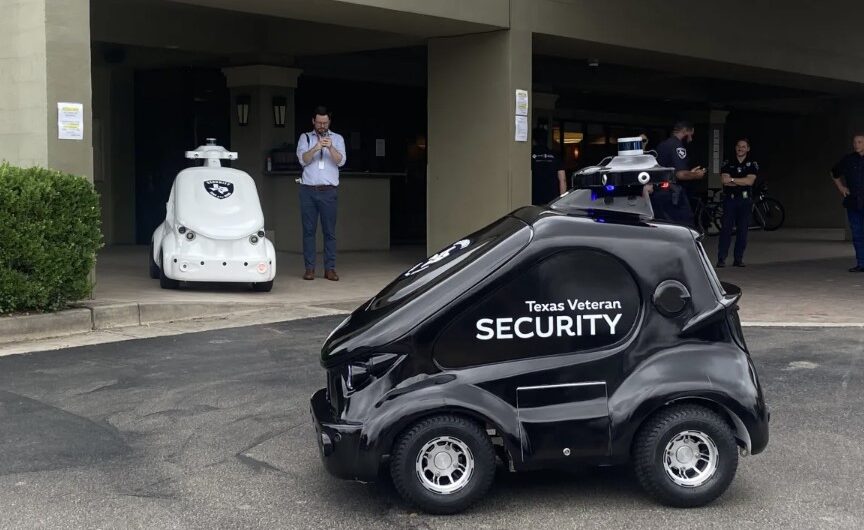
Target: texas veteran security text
x,y
544,326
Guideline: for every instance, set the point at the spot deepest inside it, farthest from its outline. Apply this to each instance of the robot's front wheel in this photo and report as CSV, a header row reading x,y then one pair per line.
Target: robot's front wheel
x,y
164,281
154,268
685,456
263,287
443,464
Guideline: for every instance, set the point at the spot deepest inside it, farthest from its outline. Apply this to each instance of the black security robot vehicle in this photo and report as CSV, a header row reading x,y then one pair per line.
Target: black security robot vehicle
x,y
582,332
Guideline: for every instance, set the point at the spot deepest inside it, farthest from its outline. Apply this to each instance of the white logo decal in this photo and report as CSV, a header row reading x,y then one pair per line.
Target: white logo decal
x,y
444,254
219,188
682,153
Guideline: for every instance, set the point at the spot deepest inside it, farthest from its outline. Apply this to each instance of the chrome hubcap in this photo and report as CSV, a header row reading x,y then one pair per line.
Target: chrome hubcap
x,y
445,465
690,458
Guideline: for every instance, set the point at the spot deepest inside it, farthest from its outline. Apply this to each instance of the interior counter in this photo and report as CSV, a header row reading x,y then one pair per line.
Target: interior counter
x,y
362,222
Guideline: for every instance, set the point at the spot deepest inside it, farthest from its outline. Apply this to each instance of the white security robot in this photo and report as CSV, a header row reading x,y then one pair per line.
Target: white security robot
x,y
214,227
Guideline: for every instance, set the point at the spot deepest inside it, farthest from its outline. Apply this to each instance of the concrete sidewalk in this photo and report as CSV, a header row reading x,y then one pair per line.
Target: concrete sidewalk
x,y
793,277
796,277
121,276
125,296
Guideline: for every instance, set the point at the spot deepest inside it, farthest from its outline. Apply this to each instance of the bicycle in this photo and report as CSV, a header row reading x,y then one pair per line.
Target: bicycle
x,y
708,212
768,213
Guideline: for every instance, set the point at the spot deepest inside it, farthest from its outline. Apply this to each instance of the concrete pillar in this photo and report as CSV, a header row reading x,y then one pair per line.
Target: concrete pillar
x,y
254,141
44,59
477,172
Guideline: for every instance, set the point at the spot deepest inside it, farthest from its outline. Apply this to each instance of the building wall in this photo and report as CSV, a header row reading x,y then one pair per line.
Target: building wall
x,y
798,36
476,171
67,43
493,12
23,79
44,59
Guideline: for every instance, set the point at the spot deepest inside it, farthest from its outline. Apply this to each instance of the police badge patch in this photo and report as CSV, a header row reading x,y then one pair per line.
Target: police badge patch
x,y
219,188
682,153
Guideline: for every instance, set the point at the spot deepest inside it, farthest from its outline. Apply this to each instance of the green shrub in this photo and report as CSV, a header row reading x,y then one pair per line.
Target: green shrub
x,y
49,234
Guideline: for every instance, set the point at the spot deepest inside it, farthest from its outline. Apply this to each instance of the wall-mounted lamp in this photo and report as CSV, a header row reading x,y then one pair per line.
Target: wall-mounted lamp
x,y
280,107
243,101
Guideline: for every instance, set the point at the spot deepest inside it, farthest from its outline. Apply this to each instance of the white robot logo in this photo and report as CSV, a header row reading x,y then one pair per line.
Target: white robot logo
x,y
444,254
219,188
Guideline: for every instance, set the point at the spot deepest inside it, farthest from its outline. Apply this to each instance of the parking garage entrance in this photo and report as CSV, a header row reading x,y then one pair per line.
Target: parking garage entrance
x,y
156,95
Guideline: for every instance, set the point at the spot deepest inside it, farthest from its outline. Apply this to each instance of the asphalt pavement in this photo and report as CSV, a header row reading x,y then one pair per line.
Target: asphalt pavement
x,y
212,430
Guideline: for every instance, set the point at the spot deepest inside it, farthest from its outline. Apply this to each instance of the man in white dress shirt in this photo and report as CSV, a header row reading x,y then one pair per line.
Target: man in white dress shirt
x,y
321,152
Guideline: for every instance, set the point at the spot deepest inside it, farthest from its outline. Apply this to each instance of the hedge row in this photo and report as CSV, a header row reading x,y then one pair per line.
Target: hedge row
x,y
49,235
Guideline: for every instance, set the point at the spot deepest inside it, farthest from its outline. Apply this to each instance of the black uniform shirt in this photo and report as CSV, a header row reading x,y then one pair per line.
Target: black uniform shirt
x,y
736,170
851,167
544,175
672,153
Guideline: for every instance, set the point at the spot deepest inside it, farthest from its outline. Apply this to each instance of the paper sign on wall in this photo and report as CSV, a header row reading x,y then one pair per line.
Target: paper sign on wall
x,y
521,128
379,147
521,102
715,152
70,121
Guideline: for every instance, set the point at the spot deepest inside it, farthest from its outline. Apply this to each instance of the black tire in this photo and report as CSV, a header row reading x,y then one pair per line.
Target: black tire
x,y
771,214
263,287
164,281
412,444
658,433
154,268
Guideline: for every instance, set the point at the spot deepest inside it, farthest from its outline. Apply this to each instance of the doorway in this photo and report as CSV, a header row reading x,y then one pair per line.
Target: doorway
x,y
176,109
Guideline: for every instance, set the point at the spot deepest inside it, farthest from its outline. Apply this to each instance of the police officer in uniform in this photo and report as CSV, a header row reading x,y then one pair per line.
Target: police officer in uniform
x,y
548,179
738,176
851,168
671,203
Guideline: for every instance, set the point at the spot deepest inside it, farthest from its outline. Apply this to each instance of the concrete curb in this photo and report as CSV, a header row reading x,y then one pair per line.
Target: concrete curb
x,y
84,317
803,324
30,327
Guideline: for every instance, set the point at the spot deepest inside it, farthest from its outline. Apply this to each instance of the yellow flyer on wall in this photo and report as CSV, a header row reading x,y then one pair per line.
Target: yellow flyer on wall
x,y
70,121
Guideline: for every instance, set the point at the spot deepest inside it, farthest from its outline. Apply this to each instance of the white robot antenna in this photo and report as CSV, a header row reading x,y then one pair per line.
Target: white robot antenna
x,y
211,153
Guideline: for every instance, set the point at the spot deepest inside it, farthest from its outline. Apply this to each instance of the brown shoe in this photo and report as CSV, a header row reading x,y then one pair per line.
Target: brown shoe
x,y
331,275
309,274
